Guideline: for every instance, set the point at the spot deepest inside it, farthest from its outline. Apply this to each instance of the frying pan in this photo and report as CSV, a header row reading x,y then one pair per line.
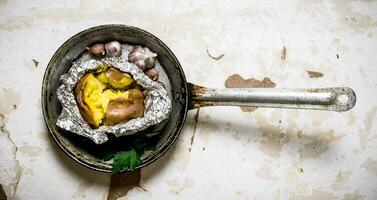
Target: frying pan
x,y
185,96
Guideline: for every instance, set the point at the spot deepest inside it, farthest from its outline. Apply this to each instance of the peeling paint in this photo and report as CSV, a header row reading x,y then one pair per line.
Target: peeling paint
x,y
248,109
314,74
36,62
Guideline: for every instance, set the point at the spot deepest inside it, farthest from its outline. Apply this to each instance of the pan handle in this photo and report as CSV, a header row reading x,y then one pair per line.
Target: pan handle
x,y
334,99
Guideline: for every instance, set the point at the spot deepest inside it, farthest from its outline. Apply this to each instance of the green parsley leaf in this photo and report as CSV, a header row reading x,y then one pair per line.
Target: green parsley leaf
x,y
108,155
125,160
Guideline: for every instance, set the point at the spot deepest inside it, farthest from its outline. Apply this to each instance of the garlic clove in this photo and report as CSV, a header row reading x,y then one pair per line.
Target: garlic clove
x,y
97,50
142,57
149,62
140,64
152,73
113,49
137,53
150,58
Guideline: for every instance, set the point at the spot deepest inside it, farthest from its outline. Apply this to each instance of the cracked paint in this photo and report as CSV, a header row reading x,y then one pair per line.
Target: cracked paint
x,y
194,130
10,170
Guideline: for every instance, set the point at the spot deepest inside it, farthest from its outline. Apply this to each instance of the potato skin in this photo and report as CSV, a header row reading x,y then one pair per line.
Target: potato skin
x,y
114,74
121,110
118,79
84,109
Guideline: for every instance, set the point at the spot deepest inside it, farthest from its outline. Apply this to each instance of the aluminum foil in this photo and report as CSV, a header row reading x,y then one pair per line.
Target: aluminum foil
x,y
157,102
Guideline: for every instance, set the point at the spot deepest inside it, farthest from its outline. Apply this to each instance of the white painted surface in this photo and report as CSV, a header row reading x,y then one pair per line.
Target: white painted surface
x,y
245,155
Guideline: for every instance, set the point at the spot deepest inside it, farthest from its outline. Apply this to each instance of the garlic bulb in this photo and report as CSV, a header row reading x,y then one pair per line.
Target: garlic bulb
x,y
142,57
97,50
113,49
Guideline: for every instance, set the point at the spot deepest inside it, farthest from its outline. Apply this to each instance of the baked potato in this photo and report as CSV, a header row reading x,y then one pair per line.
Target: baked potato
x,y
105,98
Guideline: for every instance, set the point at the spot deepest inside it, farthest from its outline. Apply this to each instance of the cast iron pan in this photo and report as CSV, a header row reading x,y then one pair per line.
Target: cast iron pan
x,y
185,96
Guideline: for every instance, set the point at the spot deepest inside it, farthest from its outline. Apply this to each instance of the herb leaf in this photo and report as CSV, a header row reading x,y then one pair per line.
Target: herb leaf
x,y
125,160
108,155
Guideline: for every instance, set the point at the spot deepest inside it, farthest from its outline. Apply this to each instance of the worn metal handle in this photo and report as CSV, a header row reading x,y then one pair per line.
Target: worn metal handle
x,y
336,98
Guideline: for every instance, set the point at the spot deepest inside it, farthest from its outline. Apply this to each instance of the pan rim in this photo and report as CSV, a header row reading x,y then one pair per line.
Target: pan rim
x,y
174,135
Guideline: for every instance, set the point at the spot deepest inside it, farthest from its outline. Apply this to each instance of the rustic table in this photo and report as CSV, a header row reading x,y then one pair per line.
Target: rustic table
x,y
222,152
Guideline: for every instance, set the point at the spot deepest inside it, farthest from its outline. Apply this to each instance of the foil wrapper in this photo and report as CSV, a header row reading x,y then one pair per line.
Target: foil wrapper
x,y
157,102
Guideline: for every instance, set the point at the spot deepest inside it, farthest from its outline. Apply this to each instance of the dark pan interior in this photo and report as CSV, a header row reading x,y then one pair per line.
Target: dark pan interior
x,y
84,150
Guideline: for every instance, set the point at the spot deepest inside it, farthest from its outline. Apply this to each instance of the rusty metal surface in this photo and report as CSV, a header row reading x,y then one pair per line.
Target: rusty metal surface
x,y
315,98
